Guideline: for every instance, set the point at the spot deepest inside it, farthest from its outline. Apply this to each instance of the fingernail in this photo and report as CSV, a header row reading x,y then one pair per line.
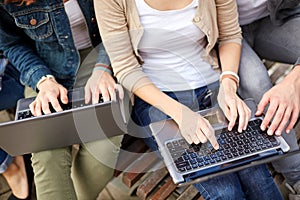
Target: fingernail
x,y
270,132
262,127
216,146
288,131
278,132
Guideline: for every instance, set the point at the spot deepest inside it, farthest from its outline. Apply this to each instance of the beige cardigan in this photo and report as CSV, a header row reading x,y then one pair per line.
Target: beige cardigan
x,y
121,31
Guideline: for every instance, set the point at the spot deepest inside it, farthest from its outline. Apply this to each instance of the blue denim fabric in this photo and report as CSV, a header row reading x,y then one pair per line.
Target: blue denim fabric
x,y
143,113
45,45
12,90
254,183
5,161
271,42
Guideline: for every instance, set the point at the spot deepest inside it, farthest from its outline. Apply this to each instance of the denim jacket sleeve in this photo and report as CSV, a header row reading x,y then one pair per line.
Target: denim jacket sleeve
x,y
19,50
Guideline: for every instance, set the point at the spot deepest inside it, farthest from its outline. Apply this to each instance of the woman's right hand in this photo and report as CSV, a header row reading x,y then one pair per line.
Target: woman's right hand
x,y
49,92
195,128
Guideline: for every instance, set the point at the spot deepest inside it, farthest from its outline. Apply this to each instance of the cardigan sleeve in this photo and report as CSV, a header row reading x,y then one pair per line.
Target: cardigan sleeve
x,y
114,31
227,19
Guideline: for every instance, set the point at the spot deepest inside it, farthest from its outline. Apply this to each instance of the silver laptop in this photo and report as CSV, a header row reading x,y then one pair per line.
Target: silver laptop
x,y
194,163
77,123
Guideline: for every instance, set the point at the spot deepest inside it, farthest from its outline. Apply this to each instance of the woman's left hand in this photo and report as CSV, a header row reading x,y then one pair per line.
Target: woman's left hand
x,y
103,83
232,106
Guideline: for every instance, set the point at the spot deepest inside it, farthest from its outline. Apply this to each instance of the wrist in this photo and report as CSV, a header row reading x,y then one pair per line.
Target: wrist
x,y
292,78
103,67
229,85
43,79
230,75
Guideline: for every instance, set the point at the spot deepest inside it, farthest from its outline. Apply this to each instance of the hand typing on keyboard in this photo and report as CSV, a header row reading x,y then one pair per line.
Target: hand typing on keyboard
x,y
195,129
49,92
102,83
233,146
232,106
53,97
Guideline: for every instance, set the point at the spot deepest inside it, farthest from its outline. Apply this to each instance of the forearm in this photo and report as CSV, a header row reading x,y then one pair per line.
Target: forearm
x,y
20,52
230,58
117,42
292,79
161,101
31,68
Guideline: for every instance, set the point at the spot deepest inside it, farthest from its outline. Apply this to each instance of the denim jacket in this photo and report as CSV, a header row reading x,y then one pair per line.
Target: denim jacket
x,y
37,39
3,63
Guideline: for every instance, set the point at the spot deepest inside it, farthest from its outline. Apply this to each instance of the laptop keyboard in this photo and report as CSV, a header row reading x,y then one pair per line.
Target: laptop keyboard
x,y
27,114
71,105
233,146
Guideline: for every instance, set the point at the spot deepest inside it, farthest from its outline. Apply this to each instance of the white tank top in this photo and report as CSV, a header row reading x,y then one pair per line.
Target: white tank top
x,y
171,48
78,25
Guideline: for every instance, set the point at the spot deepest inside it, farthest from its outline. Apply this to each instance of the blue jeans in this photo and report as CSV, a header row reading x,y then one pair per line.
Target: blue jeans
x,y
253,183
12,90
277,43
5,161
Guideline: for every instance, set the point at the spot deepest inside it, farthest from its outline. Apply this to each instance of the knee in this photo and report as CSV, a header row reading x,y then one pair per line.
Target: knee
x,y
52,159
225,187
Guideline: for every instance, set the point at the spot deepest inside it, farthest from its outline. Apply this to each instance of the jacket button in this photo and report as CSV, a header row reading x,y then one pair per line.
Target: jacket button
x,y
33,22
94,35
197,19
93,20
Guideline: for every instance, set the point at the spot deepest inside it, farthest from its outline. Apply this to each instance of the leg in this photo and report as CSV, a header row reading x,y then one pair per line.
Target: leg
x,y
254,77
16,177
268,38
226,187
278,43
5,161
258,183
93,166
289,166
255,183
52,174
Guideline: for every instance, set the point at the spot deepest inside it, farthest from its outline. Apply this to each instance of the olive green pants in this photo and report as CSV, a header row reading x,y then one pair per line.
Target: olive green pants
x,y
78,171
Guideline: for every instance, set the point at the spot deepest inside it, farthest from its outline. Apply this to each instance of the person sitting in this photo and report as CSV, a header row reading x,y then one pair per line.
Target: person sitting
x,y
56,46
16,170
270,29
162,52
